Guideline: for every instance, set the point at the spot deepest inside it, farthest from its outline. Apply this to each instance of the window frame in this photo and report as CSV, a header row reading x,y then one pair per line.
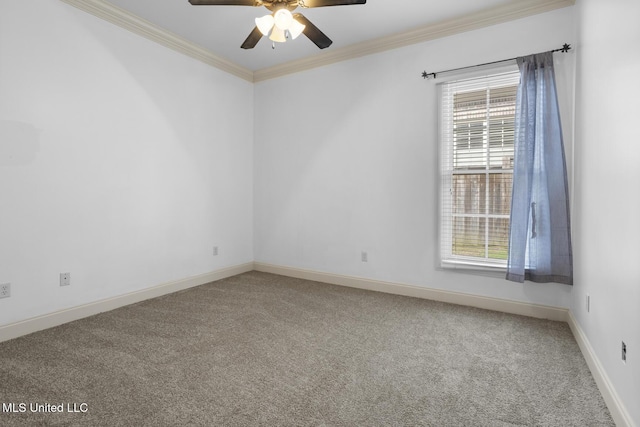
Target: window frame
x,y
447,259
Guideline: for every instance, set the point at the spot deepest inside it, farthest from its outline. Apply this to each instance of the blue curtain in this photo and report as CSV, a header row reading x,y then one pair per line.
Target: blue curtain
x,y
540,231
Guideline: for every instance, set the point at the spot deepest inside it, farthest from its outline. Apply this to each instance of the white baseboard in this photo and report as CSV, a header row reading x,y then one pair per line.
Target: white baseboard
x,y
496,304
616,407
50,320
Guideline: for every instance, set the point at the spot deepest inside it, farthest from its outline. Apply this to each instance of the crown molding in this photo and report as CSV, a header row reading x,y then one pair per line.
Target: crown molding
x,y
497,15
485,18
144,28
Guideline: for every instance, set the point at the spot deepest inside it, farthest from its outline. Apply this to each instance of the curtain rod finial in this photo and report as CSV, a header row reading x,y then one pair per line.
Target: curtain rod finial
x,y
565,48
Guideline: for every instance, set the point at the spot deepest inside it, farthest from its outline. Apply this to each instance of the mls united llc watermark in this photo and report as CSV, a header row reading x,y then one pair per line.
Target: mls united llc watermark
x,y
21,408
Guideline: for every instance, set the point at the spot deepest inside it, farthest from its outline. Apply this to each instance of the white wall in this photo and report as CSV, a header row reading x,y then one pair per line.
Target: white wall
x,y
607,197
346,160
121,161
124,163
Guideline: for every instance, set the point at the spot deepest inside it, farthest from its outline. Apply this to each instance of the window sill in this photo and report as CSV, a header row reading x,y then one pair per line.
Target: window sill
x,y
473,266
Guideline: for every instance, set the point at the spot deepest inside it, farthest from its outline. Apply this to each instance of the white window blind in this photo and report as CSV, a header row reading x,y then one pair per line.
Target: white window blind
x,y
476,144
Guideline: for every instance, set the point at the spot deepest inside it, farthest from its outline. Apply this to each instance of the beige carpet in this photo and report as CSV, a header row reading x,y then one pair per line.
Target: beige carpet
x,y
261,349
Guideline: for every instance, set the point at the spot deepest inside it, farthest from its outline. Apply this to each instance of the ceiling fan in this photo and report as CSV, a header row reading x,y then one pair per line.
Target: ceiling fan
x,y
281,23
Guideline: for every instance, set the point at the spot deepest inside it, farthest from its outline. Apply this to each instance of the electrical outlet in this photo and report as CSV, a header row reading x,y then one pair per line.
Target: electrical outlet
x,y
624,352
364,256
5,290
65,279
588,303
215,251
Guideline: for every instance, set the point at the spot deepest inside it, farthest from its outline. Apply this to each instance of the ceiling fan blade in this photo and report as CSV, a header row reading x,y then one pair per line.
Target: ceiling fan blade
x,y
312,32
224,2
253,39
322,3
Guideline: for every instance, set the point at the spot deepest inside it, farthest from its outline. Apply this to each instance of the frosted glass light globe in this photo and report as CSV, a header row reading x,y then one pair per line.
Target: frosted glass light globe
x,y
264,24
283,19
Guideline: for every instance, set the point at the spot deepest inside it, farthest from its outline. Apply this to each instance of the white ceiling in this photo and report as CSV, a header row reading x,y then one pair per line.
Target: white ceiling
x,y
222,29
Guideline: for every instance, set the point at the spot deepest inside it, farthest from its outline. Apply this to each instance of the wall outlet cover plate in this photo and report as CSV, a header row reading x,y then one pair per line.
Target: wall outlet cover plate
x,y
5,290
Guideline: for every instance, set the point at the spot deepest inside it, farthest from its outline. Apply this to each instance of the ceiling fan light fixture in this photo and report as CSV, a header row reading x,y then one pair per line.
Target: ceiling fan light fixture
x,y
264,24
278,35
281,24
295,29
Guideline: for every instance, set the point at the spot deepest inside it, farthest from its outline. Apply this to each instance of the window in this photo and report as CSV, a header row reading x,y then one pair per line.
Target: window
x,y
477,118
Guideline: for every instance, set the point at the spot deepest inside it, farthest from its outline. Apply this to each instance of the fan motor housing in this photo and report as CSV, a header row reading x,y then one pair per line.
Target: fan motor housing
x,y
274,5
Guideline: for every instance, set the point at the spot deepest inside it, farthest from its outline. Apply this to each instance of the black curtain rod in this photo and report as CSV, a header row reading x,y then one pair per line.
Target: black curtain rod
x,y
565,48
